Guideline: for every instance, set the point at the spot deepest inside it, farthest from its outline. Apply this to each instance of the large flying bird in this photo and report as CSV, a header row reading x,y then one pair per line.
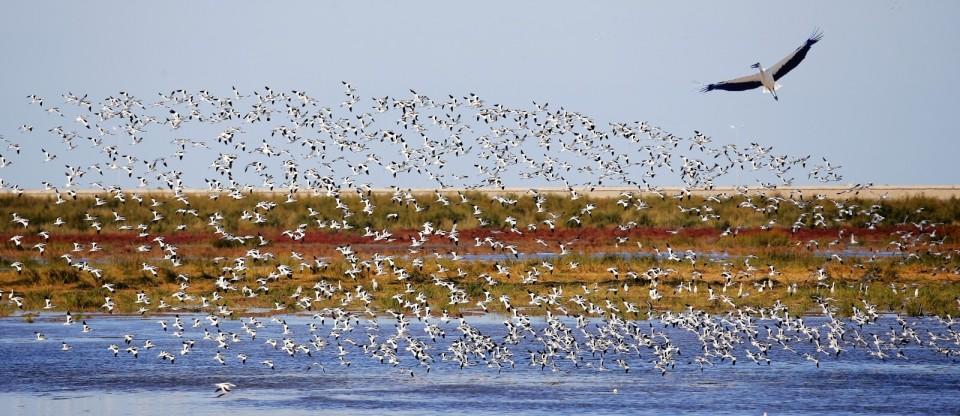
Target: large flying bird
x,y
767,78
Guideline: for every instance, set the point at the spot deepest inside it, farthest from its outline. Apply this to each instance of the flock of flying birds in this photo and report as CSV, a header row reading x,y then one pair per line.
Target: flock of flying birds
x,y
124,147
300,145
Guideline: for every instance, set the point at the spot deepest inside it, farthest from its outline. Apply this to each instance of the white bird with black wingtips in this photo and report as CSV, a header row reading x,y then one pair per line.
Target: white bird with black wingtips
x,y
223,388
767,78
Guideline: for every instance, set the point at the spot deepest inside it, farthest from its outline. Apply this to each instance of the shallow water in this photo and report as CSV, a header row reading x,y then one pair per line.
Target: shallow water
x,y
710,255
37,378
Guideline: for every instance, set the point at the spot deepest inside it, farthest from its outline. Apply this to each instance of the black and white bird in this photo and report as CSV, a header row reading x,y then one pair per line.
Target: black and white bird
x,y
767,78
223,388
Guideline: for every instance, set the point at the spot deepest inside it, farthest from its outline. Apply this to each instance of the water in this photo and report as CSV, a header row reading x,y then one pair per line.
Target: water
x,y
37,378
710,255
549,255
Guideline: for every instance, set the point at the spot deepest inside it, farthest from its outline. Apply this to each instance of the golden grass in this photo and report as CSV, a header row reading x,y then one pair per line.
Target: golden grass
x,y
48,276
936,289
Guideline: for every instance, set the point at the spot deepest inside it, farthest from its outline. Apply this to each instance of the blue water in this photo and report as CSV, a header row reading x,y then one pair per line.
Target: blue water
x,y
36,377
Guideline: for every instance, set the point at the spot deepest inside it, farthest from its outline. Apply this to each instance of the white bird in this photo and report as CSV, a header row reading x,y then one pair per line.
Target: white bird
x,y
223,388
767,78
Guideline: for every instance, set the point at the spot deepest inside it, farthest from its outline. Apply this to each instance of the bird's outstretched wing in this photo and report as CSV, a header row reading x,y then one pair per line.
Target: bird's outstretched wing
x,y
792,60
744,83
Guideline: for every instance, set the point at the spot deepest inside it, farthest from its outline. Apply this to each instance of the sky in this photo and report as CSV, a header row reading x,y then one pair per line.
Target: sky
x,y
878,94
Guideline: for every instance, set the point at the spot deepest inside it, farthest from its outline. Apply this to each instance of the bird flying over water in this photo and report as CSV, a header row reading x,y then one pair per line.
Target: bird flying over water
x,y
767,78
223,388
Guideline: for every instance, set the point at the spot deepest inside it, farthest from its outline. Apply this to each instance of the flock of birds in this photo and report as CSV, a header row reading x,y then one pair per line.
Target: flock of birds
x,y
305,150
599,341
301,145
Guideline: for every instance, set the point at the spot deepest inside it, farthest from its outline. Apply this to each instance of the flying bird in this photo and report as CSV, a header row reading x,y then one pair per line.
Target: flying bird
x,y
767,78
223,388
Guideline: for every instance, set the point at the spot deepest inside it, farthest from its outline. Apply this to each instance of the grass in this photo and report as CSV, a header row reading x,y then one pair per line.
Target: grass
x,y
661,212
936,294
747,226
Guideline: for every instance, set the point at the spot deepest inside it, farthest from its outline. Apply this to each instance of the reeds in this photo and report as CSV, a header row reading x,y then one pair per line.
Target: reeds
x,y
592,243
662,213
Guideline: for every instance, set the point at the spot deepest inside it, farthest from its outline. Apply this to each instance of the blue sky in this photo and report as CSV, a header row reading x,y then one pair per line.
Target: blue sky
x,y
878,94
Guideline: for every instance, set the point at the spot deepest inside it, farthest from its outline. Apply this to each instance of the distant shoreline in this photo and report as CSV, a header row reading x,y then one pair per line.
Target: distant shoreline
x,y
832,191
